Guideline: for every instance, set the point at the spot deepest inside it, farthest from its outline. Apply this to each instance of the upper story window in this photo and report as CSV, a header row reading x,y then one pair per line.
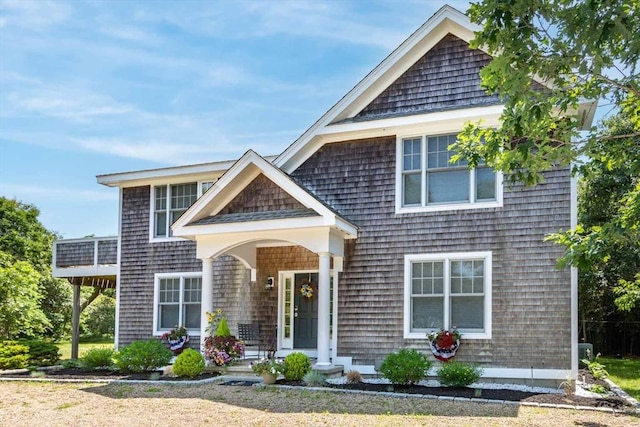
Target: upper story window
x,y
428,181
171,201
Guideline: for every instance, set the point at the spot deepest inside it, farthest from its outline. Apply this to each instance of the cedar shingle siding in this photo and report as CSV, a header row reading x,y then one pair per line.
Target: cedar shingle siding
x,y
446,77
531,299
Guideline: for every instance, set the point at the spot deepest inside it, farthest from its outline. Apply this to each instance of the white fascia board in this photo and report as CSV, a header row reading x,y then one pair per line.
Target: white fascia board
x,y
447,18
163,175
167,175
413,123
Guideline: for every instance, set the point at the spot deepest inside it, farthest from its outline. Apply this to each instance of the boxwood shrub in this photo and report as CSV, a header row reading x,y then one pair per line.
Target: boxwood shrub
x,y
405,367
459,374
143,356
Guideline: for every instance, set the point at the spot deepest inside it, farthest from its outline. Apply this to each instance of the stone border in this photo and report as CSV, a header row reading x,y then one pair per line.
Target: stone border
x,y
224,378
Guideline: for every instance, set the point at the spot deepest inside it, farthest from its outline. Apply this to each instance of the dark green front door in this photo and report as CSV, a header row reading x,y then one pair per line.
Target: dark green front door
x,y
305,311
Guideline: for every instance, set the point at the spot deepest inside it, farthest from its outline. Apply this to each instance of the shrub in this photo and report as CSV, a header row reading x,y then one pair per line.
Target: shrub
x,y
189,363
405,367
223,328
458,374
42,353
13,355
97,358
354,377
297,365
142,356
314,379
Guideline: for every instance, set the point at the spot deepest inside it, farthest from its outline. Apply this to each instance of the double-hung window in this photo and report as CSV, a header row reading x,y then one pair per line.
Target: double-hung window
x,y
178,298
171,201
443,291
429,180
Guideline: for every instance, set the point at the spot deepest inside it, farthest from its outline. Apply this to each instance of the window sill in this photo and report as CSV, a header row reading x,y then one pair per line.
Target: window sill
x,y
465,336
448,207
166,239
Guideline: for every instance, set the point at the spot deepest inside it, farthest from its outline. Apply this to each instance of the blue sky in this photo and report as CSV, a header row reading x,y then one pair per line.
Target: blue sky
x,y
95,87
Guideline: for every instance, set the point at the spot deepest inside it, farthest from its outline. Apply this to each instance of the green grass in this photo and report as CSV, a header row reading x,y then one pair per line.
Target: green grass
x,y
65,347
625,373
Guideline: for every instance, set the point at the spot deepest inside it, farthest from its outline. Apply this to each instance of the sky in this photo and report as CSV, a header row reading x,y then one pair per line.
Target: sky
x,y
96,87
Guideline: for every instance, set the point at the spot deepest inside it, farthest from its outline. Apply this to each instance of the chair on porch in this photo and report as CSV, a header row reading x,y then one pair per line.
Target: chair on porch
x,y
249,333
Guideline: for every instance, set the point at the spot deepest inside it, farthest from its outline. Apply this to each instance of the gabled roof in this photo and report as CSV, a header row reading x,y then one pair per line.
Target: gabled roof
x,y
444,21
207,214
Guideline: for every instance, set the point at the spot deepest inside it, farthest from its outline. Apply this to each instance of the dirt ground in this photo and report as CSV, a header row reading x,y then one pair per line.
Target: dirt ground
x,y
84,404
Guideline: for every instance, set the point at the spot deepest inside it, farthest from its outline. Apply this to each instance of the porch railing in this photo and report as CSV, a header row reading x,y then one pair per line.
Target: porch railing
x,y
85,257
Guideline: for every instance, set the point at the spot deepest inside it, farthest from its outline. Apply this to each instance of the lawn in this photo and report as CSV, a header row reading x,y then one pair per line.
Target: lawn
x,y
625,373
65,347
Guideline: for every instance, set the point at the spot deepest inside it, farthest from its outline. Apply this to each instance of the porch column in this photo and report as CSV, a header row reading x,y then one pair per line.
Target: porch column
x,y
324,281
75,319
206,301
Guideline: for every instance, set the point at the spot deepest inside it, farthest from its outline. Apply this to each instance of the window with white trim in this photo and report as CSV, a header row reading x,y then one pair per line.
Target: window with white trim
x,y
178,298
429,179
170,201
443,291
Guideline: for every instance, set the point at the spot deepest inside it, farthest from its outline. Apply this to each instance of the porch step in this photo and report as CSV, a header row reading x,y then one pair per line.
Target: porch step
x,y
243,369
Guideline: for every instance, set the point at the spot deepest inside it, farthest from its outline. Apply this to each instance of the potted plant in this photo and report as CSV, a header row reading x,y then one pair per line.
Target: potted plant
x,y
269,369
176,338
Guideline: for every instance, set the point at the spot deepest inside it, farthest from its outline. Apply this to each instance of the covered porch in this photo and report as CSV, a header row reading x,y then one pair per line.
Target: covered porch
x,y
290,243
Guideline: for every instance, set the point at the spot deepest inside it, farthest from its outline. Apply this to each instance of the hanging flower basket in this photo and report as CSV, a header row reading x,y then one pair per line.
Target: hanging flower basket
x,y
444,344
176,338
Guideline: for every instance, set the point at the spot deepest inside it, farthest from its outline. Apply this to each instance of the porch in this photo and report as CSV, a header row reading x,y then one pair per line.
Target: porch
x,y
89,261
242,369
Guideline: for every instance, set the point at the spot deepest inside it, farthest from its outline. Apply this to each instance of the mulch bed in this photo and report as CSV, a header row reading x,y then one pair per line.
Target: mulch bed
x,y
613,402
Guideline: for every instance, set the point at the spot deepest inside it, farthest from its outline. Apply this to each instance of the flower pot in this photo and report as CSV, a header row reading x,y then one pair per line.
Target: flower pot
x,y
269,378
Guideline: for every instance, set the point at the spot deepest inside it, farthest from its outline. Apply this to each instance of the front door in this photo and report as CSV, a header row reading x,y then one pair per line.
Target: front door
x,y
305,310
298,323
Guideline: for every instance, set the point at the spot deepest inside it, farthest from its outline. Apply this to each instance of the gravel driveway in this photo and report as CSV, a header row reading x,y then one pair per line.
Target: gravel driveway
x,y
83,404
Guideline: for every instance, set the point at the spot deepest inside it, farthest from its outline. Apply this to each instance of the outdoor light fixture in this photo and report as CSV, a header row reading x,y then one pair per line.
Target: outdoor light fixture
x,y
269,283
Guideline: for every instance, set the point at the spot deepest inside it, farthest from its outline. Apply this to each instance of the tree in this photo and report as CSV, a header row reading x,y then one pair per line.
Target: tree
x,y
576,50
20,312
24,239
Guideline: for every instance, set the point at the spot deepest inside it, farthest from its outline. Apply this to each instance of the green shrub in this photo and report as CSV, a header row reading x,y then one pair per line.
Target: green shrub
x,y
314,379
405,367
13,355
459,374
143,356
297,365
223,328
190,363
42,353
97,358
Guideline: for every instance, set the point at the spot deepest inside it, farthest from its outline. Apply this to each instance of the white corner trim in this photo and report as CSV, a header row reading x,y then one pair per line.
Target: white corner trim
x,y
116,334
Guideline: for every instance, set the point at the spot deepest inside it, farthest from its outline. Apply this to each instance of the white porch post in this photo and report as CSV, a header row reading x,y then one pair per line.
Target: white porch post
x,y
324,279
206,303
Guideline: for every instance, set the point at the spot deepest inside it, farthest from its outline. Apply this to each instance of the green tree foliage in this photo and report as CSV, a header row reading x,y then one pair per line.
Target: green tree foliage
x,y
577,50
24,239
20,311
98,319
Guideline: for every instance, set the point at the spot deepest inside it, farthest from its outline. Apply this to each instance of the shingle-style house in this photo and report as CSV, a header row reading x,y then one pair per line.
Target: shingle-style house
x,y
364,211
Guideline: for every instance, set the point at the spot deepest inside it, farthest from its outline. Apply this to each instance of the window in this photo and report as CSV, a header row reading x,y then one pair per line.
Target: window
x,y
169,202
178,297
447,290
429,180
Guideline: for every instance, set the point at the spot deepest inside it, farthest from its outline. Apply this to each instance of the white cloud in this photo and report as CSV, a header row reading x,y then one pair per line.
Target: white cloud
x,y
34,15
22,191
